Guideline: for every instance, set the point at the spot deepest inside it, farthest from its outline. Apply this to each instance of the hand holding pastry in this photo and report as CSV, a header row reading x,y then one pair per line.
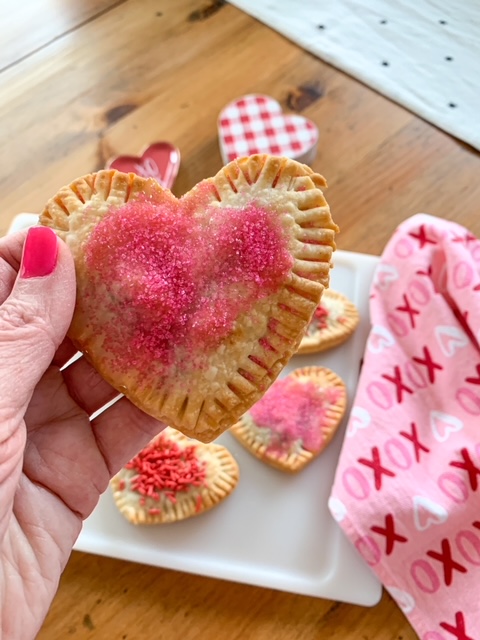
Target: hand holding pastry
x,y
54,461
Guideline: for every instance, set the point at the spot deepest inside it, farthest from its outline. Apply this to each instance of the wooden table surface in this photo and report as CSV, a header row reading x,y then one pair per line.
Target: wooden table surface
x,y
82,81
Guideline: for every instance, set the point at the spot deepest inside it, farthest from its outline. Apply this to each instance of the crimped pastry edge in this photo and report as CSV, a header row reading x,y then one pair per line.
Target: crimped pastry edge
x,y
296,461
313,247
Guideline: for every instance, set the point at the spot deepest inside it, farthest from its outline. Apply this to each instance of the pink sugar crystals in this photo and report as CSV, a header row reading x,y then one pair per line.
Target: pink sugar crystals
x,y
294,411
178,279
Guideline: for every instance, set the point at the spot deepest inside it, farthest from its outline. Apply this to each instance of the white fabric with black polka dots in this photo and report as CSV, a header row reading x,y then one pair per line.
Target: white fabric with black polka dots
x,y
422,54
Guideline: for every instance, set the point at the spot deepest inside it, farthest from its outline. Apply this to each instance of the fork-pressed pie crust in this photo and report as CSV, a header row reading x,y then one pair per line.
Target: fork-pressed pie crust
x,y
332,323
207,384
220,475
295,420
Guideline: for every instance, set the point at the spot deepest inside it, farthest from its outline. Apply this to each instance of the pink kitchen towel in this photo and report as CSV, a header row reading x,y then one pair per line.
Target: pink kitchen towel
x,y
406,490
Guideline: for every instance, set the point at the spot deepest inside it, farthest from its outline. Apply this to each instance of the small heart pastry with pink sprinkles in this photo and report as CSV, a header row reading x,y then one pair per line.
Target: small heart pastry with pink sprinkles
x,y
333,322
295,420
191,307
174,478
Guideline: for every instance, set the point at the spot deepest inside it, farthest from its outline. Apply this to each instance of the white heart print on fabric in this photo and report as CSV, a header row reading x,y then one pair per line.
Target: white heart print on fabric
x,y
443,425
337,508
385,274
426,513
450,339
359,419
380,339
405,600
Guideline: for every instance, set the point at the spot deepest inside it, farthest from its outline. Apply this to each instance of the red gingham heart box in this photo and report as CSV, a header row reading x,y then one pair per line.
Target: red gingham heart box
x,y
256,124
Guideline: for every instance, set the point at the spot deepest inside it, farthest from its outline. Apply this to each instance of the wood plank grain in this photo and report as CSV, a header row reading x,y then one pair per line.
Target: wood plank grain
x,y
27,26
131,602
175,100
394,183
76,88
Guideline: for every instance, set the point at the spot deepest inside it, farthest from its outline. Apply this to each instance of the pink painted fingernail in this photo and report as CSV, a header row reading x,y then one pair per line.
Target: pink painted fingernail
x,y
39,253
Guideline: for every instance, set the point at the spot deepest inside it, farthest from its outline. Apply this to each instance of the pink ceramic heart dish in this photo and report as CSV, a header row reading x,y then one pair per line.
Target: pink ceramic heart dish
x,y
256,124
160,160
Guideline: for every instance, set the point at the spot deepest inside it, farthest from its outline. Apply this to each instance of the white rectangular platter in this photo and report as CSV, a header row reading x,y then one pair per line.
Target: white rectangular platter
x,y
275,530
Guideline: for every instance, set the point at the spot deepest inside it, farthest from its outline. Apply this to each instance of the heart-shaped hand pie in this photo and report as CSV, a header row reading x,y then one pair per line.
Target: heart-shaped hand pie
x,y
333,321
174,478
191,307
295,420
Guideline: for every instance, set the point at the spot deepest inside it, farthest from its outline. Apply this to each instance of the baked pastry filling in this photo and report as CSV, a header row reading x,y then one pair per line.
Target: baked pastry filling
x,y
333,322
319,319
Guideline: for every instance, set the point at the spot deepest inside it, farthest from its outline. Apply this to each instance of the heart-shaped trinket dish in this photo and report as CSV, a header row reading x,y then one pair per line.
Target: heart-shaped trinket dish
x,y
191,307
256,124
295,420
160,160
174,478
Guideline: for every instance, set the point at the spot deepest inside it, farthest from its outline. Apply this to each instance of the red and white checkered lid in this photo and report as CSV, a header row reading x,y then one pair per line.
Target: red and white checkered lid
x,y
256,124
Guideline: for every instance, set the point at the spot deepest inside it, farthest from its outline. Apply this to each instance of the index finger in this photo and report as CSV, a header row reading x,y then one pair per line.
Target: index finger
x,y
11,248
121,431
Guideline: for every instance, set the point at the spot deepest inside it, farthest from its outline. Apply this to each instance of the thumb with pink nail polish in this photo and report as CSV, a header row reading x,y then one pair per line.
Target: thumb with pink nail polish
x,y
35,317
40,253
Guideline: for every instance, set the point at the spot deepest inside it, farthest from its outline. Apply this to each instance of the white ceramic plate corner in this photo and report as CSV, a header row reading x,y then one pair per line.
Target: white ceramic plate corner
x,y
275,530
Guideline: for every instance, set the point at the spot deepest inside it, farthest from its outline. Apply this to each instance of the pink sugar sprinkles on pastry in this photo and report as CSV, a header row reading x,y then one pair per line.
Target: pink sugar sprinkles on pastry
x,y
178,279
294,411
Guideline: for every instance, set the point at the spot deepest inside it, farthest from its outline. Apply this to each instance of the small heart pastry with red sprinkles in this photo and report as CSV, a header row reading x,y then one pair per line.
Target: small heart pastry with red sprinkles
x,y
174,478
191,307
333,322
295,420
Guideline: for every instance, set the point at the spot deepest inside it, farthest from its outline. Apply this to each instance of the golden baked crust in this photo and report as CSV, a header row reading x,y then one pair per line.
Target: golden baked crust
x,y
221,477
334,321
204,394
274,444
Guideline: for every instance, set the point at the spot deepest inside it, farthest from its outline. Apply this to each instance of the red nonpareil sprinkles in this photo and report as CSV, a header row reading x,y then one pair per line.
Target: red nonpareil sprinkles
x,y
175,275
294,410
165,468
